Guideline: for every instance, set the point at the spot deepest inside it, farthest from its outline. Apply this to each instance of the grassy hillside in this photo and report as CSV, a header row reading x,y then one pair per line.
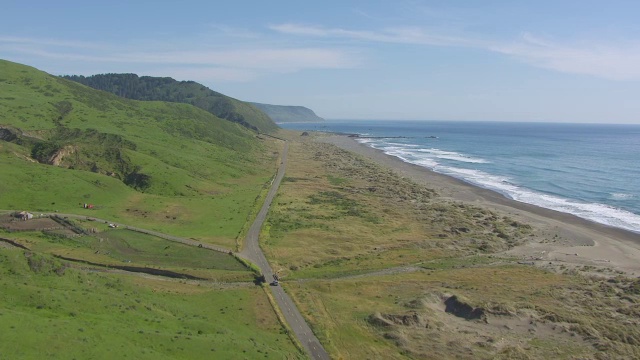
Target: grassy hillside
x,y
75,287
149,88
52,309
166,166
281,113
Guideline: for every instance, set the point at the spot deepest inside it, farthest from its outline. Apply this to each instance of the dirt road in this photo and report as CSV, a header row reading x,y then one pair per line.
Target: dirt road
x,y
253,252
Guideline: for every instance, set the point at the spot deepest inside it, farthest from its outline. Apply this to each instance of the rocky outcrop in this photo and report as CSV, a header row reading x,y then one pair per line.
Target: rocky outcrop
x,y
57,158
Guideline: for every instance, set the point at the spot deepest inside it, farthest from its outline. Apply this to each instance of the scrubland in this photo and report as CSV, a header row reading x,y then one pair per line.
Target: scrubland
x,y
383,267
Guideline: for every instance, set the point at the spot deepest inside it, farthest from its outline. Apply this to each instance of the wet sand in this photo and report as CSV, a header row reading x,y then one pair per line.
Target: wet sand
x,y
561,238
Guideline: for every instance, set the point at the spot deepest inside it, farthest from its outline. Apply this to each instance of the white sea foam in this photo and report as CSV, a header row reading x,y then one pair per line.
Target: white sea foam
x,y
450,155
600,213
364,140
622,196
414,152
403,145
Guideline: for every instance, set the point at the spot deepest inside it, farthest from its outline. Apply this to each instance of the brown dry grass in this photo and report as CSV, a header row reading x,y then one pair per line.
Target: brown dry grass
x,y
337,214
530,313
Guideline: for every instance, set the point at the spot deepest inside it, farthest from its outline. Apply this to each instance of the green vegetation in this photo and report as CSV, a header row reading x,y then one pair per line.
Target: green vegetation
x,y
281,113
137,247
83,289
51,310
66,296
149,88
389,269
164,166
118,248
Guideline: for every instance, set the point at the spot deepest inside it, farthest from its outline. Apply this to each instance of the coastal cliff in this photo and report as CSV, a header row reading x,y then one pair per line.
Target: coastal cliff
x,y
281,113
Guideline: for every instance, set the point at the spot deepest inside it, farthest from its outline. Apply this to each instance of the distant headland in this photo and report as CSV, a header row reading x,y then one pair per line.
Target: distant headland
x,y
283,114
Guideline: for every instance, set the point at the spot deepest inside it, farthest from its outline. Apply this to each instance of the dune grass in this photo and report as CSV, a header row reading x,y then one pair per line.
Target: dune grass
x,y
372,259
340,309
339,214
531,313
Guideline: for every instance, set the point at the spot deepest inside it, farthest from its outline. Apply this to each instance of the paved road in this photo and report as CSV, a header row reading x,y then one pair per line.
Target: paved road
x,y
253,252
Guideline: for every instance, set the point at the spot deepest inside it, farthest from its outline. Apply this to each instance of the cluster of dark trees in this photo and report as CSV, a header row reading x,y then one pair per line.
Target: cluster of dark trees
x,y
132,86
148,88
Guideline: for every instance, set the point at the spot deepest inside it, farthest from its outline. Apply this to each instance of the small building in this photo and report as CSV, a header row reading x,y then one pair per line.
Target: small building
x,y
24,215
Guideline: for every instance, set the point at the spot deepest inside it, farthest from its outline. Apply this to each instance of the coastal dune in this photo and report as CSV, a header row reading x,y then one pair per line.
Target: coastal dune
x,y
561,240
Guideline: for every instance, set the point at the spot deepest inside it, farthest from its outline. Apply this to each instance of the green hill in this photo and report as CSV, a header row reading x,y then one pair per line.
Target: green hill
x,y
281,113
68,288
149,88
55,310
168,166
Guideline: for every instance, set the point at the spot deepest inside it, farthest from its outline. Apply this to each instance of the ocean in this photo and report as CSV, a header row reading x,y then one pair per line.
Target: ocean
x,y
589,170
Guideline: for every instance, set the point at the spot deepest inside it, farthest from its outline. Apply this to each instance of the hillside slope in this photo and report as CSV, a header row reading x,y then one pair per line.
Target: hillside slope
x,y
282,113
171,166
147,88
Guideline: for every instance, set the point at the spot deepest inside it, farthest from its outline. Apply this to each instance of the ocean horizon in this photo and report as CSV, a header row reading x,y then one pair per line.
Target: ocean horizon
x,y
588,170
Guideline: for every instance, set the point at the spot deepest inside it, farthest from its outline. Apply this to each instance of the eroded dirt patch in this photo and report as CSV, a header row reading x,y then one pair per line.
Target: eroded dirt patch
x,y
39,224
449,326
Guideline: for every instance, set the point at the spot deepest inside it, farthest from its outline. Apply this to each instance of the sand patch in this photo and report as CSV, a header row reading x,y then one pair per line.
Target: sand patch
x,y
606,256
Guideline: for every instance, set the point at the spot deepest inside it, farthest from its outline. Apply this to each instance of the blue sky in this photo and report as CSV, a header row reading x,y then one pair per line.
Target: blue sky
x,y
562,61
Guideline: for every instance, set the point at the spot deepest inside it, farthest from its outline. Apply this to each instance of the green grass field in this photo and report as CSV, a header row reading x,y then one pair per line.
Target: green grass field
x,y
49,311
118,247
167,167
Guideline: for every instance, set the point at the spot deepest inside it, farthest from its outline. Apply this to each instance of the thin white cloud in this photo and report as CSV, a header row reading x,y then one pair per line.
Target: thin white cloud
x,y
605,61
229,31
7,40
230,64
610,61
204,74
246,60
267,59
399,35
43,53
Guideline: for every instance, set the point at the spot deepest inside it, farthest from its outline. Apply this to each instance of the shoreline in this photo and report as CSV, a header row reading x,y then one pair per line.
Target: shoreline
x,y
575,240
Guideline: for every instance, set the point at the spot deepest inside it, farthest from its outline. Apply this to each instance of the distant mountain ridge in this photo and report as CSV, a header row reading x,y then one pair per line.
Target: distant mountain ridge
x,y
282,113
148,88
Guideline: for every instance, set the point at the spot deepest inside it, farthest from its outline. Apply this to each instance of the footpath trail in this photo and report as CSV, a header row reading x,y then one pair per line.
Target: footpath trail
x,y
253,252
145,231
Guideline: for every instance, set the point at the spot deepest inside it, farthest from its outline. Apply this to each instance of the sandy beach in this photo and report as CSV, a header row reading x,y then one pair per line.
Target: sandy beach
x,y
562,240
